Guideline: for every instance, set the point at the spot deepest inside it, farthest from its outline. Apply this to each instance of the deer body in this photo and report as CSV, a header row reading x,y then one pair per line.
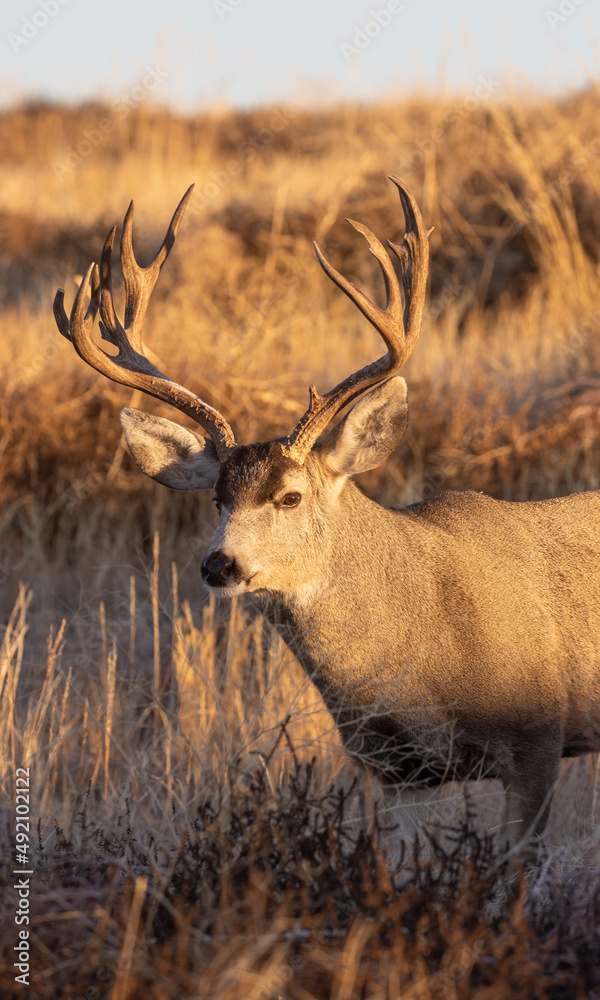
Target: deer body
x,y
456,638
472,618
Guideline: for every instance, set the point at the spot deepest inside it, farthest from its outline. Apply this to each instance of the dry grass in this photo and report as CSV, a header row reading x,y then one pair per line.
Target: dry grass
x,y
184,849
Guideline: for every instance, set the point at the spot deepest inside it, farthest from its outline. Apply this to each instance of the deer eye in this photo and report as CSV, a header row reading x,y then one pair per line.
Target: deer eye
x,y
290,500
217,503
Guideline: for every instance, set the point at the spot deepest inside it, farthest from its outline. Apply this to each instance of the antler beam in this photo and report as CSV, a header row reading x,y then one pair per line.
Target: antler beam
x,y
130,366
399,328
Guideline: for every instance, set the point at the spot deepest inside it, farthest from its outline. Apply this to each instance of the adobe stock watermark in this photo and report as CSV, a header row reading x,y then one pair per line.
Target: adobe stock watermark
x,y
37,363
248,149
363,37
551,191
84,486
256,315
36,22
121,108
449,295
459,112
22,884
579,334
6,570
225,7
563,12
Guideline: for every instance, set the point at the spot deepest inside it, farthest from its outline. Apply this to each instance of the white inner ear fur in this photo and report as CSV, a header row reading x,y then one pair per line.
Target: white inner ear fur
x,y
370,432
169,453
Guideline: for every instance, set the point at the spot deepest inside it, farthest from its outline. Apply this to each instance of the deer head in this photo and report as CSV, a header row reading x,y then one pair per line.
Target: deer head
x,y
277,499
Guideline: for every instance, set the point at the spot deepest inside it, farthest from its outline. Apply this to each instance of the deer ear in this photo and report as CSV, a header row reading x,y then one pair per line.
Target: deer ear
x,y
169,453
370,432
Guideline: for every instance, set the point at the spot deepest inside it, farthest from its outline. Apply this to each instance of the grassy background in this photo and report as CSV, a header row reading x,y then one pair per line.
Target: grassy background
x,y
168,738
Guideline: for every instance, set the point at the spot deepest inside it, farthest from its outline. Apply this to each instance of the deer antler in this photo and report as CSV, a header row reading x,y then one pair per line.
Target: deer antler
x,y
131,366
399,328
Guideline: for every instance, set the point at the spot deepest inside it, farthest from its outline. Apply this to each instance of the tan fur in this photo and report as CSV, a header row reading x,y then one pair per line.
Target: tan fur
x,y
479,628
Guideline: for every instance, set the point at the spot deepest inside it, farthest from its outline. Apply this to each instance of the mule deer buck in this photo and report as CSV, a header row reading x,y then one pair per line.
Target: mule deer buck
x,y
455,638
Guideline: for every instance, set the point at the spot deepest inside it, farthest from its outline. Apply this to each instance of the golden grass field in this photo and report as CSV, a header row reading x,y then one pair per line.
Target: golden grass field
x,y
196,830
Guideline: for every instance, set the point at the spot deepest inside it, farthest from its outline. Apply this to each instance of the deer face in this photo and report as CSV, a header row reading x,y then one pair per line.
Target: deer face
x,y
278,517
268,505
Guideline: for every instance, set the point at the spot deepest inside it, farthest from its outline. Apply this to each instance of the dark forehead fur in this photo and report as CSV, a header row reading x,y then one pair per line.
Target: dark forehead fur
x,y
253,474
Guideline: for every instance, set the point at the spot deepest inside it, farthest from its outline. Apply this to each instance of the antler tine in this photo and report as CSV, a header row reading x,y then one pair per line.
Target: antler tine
x,y
388,321
413,254
130,366
140,281
399,328
110,328
85,317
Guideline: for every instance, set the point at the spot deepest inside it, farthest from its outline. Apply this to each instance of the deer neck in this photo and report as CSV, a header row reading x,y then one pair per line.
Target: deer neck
x,y
360,579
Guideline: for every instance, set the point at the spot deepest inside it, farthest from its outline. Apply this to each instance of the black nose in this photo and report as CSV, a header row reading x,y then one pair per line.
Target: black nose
x,y
218,569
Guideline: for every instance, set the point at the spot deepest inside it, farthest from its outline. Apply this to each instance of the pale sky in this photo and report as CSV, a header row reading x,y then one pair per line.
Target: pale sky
x,y
195,54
